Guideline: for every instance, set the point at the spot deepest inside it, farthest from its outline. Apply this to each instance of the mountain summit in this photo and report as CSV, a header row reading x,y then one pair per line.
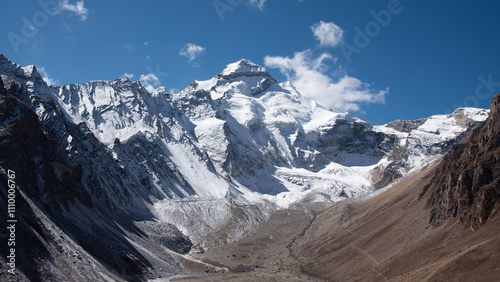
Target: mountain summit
x,y
243,67
243,77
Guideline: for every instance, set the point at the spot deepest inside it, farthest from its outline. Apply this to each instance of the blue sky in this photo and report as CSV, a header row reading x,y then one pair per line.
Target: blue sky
x,y
380,59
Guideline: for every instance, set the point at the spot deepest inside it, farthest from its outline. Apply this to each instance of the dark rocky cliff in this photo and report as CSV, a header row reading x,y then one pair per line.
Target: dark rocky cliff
x,y
467,182
60,223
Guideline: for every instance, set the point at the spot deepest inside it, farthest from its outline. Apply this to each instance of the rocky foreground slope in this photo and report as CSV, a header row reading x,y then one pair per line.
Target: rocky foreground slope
x,y
121,183
466,185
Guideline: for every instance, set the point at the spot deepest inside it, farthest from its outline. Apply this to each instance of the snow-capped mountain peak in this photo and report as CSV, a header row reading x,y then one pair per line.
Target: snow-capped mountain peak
x,y
243,67
242,77
27,76
114,109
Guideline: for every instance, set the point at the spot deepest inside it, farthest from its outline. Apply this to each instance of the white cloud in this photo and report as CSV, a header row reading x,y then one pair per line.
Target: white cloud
x,y
258,3
129,75
78,9
150,81
191,51
329,34
309,76
146,43
129,47
46,78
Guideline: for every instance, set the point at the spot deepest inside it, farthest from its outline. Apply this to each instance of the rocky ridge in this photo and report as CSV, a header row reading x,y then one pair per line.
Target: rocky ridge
x,y
467,182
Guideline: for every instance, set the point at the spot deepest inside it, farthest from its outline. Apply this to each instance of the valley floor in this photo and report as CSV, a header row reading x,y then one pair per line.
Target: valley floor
x,y
387,237
263,256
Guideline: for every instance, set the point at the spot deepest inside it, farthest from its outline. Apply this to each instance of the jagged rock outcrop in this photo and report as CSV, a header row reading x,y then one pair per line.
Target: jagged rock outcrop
x,y
467,182
37,155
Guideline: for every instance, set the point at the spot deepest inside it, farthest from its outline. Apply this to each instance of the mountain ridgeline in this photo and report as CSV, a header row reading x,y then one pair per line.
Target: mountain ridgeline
x,y
123,181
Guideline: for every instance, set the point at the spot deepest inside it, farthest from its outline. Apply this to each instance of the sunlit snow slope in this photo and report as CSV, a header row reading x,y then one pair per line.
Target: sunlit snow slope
x,y
242,133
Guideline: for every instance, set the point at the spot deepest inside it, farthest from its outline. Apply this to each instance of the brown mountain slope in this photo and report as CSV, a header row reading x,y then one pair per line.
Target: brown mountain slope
x,y
389,237
441,224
